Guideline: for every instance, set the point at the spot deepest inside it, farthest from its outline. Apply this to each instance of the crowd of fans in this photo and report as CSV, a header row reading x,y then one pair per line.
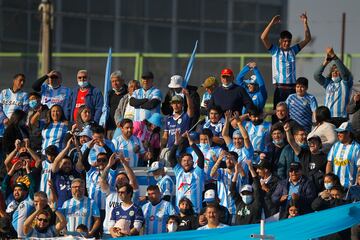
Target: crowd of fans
x,y
231,161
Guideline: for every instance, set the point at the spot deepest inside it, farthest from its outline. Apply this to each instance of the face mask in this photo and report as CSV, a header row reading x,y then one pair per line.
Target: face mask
x,y
328,186
302,145
247,199
83,84
204,145
33,104
158,178
227,85
279,142
172,227
336,79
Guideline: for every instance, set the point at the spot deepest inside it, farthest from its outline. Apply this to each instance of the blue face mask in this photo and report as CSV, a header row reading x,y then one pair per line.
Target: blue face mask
x,y
278,142
247,199
302,145
328,186
33,104
83,84
204,145
336,79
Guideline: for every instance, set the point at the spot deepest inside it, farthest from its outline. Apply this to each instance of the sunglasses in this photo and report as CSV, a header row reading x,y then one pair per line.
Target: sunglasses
x,y
43,220
101,160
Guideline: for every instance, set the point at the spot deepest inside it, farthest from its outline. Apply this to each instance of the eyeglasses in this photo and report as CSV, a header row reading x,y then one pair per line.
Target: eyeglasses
x,y
45,220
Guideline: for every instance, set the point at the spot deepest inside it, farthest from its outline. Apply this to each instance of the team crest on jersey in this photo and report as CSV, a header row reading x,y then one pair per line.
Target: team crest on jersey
x,y
131,213
254,97
305,102
152,218
179,121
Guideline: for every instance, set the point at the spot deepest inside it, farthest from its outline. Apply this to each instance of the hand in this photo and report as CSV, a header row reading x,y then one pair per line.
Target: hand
x,y
142,198
357,97
92,143
238,168
73,128
223,153
249,163
101,142
27,166
287,127
69,142
284,198
275,20
50,184
188,137
185,92
303,18
136,149
15,167
228,115
17,144
112,160
251,64
6,121
262,156
264,187
27,143
177,137
325,194
330,52
50,73
148,156
295,196
125,161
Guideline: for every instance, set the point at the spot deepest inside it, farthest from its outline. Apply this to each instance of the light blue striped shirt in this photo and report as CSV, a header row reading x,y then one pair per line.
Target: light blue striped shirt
x,y
156,216
284,64
79,212
127,148
166,186
259,135
50,233
345,160
21,213
59,96
45,176
96,149
152,93
301,109
54,134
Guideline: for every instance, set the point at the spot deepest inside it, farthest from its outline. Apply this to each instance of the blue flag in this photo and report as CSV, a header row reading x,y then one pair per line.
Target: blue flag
x,y
190,66
107,87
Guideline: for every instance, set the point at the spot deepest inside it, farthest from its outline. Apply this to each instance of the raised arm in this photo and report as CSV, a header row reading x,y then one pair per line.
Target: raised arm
x,y
265,34
56,164
213,172
130,173
28,224
104,184
225,130
190,104
307,34
61,221
244,134
198,152
233,191
291,140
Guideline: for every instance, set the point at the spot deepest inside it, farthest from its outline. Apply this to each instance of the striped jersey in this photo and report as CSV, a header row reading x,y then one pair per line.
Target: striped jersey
x,y
45,177
259,135
79,212
345,160
127,148
9,102
221,225
50,233
157,216
190,184
243,153
56,96
209,153
216,128
223,188
96,149
20,212
337,97
152,93
54,134
93,177
301,109
166,186
284,64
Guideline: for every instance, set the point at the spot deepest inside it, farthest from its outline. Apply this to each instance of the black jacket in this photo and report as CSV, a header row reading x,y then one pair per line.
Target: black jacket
x,y
269,207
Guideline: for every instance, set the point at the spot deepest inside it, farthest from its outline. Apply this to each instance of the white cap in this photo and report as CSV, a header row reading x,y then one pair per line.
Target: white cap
x,y
155,166
176,81
209,195
247,188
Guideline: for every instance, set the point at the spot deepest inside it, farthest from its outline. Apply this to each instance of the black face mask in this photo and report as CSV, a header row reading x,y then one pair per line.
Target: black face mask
x,y
186,211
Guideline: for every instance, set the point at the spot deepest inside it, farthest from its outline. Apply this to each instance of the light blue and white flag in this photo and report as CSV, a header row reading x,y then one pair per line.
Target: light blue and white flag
x,y
107,87
190,66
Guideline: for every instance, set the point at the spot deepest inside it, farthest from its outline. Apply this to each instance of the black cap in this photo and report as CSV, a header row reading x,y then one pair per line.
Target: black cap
x,y
315,137
295,166
264,164
147,75
21,185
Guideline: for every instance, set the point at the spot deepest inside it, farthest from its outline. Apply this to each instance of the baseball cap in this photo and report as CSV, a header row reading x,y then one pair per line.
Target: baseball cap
x,y
156,119
247,188
237,133
155,166
264,164
176,81
209,196
147,75
209,82
294,166
316,137
227,72
176,98
21,185
86,132
344,127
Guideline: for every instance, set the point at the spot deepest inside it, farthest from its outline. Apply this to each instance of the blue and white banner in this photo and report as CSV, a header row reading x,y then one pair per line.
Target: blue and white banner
x,y
190,65
107,87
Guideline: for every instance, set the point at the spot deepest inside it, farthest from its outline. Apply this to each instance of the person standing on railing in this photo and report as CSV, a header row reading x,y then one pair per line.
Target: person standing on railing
x,y
283,58
337,84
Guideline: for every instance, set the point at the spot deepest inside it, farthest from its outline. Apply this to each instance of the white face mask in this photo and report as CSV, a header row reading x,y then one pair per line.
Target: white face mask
x,y
83,84
227,85
172,227
158,178
336,79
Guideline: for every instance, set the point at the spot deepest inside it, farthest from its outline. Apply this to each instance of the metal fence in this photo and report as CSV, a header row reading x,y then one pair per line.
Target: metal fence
x,y
163,65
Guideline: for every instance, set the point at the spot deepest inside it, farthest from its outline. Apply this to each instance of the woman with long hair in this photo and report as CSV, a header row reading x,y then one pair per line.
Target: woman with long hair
x,y
55,128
